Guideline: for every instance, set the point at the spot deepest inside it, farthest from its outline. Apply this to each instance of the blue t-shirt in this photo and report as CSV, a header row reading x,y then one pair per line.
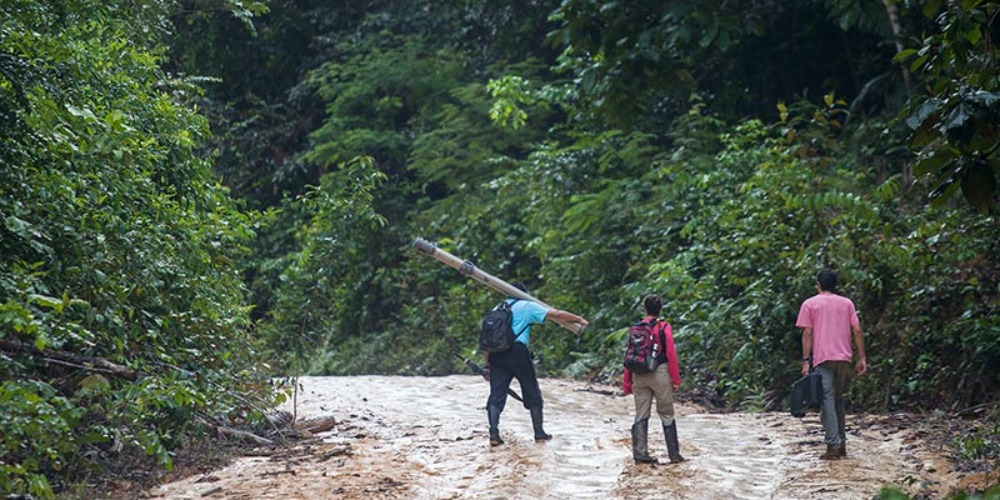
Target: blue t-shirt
x,y
526,313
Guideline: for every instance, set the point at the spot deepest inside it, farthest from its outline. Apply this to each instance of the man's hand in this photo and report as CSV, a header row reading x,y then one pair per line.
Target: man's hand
x,y
676,387
861,367
486,373
805,367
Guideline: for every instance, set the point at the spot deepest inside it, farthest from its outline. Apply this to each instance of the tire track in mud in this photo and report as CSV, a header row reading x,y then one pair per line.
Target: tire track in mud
x,y
425,437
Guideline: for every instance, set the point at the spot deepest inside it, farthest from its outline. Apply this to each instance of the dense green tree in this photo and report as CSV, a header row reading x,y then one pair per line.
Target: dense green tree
x,y
399,92
954,125
731,212
122,318
638,62
264,108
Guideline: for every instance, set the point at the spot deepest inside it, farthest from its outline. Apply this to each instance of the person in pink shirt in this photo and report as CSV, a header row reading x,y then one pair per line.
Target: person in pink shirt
x,y
827,321
656,384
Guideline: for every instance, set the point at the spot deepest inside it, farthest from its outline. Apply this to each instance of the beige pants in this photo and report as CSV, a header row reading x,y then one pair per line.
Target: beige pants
x,y
657,385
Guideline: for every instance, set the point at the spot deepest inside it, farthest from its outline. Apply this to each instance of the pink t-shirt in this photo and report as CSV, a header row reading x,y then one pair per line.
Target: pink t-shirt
x,y
831,317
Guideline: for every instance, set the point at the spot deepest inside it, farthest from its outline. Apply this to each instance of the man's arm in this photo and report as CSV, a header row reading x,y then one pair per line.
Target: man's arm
x,y
859,339
807,349
486,365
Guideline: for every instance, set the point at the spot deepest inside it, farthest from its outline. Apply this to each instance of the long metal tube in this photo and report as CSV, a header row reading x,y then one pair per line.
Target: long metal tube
x,y
469,269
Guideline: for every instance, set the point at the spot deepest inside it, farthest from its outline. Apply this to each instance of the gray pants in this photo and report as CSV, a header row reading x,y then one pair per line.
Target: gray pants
x,y
836,375
657,385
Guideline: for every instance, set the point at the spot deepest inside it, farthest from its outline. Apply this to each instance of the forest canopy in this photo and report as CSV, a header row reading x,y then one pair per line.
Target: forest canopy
x,y
197,195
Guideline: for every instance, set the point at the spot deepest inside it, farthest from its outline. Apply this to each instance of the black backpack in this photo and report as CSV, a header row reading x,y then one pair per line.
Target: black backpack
x,y
497,332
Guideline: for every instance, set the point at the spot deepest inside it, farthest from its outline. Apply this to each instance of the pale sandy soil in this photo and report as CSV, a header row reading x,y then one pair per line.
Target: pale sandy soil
x,y
425,437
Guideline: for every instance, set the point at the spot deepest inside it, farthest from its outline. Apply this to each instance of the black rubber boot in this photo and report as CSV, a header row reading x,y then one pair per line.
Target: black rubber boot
x,y
640,440
536,422
673,448
832,453
493,414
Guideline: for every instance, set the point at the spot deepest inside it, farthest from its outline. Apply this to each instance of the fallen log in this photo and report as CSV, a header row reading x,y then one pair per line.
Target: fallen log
x,y
247,436
63,358
315,425
229,432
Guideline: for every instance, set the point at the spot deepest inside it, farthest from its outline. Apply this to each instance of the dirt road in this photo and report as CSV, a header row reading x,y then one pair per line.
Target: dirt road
x,y
421,437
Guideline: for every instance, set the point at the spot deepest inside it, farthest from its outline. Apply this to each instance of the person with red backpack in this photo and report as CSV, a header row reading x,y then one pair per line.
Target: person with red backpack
x,y
651,371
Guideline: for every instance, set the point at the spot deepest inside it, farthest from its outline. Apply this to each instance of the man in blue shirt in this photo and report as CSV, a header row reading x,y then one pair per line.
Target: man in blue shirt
x,y
502,367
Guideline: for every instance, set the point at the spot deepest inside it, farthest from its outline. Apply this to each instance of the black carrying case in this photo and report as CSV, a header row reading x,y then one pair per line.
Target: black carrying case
x,y
807,393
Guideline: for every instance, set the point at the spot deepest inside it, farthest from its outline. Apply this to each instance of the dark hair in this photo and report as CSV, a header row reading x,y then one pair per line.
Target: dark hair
x,y
652,304
521,286
827,280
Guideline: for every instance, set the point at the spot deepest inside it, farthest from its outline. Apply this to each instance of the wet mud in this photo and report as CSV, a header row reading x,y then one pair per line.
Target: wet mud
x,y
426,437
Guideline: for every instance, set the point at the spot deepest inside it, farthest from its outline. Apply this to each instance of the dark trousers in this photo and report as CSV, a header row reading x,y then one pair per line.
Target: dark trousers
x,y
506,366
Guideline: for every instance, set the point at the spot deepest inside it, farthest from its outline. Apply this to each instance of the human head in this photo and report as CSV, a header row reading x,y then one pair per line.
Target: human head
x,y
652,304
521,286
827,280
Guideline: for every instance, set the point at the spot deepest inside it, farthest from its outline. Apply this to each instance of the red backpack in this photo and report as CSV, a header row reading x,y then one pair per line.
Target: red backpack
x,y
643,347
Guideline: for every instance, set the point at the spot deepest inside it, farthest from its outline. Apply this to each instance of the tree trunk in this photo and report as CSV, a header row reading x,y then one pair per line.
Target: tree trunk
x,y
893,12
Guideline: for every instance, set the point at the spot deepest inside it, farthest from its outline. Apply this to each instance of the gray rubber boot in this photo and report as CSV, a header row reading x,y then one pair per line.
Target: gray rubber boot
x,y
640,440
536,422
673,448
493,414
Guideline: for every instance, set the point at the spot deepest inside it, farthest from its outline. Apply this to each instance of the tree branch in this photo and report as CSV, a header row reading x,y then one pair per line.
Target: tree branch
x,y
64,358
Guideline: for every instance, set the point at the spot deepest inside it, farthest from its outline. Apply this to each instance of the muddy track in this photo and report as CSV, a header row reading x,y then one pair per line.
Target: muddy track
x,y
421,437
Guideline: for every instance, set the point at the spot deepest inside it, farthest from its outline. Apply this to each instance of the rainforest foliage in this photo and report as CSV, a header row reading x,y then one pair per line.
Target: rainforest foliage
x,y
197,194
123,318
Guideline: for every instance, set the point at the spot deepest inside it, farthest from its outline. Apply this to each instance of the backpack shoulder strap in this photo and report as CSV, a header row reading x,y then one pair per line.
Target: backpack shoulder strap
x,y
522,331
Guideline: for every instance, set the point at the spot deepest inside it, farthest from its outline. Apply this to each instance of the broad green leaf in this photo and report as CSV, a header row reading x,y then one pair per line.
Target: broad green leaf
x,y
923,112
903,54
46,301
